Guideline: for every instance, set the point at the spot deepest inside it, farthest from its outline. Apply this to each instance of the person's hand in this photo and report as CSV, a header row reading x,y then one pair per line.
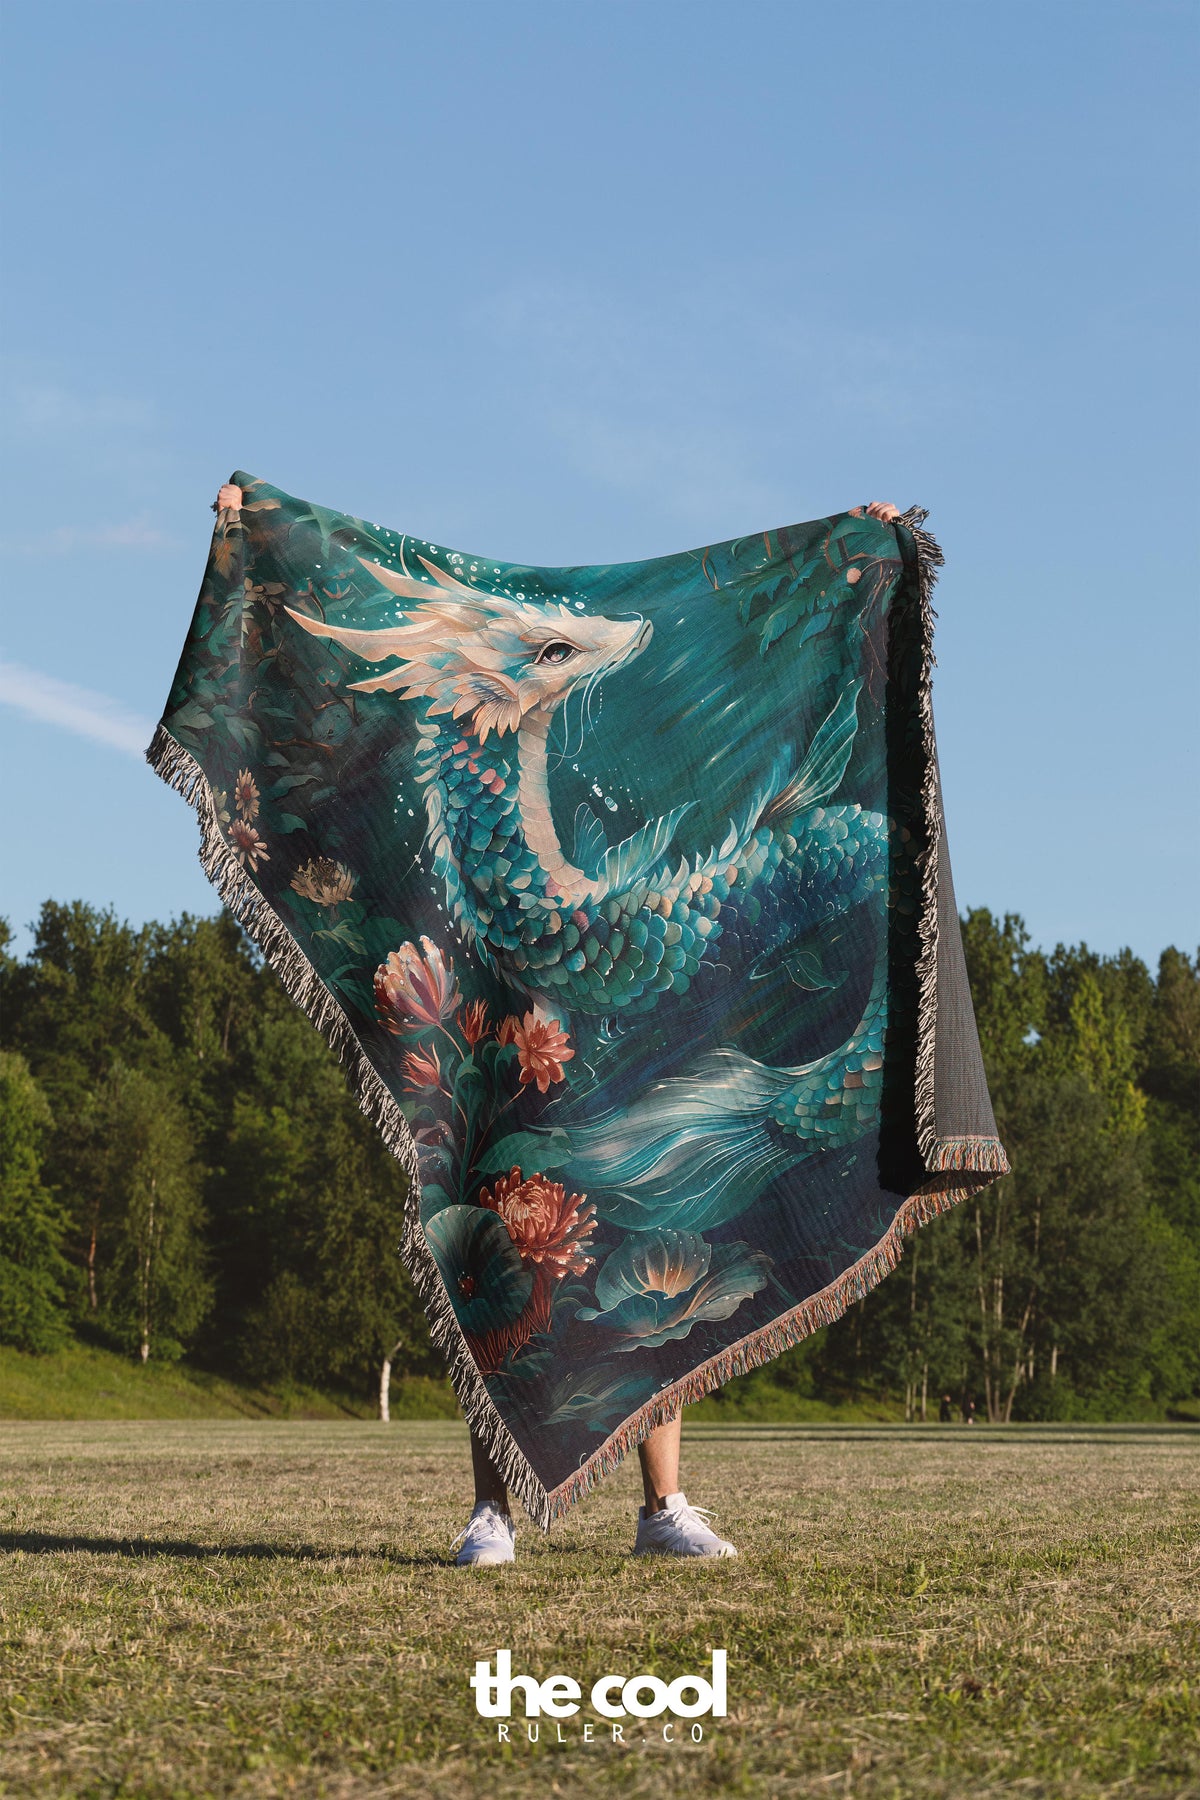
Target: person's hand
x,y
229,499
878,509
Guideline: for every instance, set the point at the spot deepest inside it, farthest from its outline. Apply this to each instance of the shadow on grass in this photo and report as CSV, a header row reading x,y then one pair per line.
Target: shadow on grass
x,y
47,1543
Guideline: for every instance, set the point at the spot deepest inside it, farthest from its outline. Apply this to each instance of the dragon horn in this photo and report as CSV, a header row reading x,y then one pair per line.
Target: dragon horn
x,y
447,581
372,646
407,587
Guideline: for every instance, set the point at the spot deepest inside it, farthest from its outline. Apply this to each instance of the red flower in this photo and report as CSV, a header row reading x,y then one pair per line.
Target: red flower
x,y
506,1031
473,1023
548,1226
422,1070
415,988
542,1049
552,1230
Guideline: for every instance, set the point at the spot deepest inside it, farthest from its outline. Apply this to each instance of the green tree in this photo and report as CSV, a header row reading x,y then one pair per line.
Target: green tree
x,y
311,1209
1071,1275
911,1337
1009,991
73,1007
213,1184
1169,1073
153,1289
33,1312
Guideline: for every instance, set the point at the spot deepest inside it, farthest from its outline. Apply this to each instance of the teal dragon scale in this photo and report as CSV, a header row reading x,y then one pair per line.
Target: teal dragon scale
x,y
608,929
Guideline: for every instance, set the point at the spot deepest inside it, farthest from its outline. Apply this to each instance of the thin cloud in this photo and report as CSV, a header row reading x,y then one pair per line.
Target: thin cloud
x,y
127,534
50,411
693,477
624,383
77,709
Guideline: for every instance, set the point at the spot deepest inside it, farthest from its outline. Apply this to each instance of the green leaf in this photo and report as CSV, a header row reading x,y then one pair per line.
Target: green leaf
x,y
382,935
815,624
342,933
287,782
242,732
192,717
326,521
530,1150
494,1057
780,622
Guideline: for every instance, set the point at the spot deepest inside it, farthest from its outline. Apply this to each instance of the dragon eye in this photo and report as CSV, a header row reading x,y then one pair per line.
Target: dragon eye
x,y
556,652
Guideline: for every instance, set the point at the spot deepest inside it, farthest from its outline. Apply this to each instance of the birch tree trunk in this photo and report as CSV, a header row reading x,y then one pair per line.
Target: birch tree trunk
x,y
147,1273
385,1384
985,1327
93,1300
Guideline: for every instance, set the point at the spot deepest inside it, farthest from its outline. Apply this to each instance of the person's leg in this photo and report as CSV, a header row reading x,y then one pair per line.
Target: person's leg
x,y
488,1536
667,1524
659,1457
489,1487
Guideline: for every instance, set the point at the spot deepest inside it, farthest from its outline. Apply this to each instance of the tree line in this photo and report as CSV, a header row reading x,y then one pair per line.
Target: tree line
x,y
183,1171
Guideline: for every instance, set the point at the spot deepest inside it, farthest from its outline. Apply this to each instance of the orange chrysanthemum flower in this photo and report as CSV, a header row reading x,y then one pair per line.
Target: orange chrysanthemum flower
x,y
245,794
542,1049
324,881
549,1226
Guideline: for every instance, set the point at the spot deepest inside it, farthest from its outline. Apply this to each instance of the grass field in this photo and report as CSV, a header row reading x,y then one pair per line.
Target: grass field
x,y
261,1609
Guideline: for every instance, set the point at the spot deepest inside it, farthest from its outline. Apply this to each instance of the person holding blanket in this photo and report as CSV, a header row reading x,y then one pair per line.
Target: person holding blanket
x,y
668,1524
585,933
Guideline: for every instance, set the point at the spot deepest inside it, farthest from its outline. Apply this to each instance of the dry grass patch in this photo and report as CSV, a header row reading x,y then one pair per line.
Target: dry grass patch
x,y
245,1609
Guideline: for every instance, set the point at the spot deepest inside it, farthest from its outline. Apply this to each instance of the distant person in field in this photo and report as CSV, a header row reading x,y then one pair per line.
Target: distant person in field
x,y
945,1411
667,1524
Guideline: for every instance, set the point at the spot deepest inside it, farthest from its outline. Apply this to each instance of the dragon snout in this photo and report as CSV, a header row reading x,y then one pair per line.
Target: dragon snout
x,y
627,639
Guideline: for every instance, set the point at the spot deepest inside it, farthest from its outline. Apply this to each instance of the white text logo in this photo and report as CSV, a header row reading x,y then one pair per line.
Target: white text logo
x,y
612,1696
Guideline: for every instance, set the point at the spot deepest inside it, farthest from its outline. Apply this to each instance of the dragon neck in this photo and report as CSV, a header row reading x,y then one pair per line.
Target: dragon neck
x,y
533,802
454,761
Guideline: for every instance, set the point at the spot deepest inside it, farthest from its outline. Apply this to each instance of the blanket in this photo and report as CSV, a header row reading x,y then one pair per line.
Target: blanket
x,y
623,894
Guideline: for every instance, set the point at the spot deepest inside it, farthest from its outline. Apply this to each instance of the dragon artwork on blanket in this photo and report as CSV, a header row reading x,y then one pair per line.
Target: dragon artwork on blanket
x,y
607,870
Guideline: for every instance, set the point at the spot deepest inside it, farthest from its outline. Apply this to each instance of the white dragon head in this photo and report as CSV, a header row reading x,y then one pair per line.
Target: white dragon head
x,y
484,654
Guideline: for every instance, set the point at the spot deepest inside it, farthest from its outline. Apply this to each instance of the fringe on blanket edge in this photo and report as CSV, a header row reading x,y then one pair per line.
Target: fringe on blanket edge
x,y
984,1157
769,1341
929,561
180,770
981,1157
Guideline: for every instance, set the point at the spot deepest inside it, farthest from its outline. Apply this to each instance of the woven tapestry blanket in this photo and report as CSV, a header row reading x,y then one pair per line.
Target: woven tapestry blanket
x,y
623,894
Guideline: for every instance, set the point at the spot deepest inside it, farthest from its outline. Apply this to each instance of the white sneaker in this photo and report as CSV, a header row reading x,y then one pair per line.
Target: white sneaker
x,y
678,1530
487,1539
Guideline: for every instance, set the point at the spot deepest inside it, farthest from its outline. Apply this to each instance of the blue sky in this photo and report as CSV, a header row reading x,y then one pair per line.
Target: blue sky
x,y
567,282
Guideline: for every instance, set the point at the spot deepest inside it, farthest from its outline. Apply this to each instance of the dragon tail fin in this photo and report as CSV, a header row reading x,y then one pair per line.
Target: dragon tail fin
x,y
697,1149
693,1151
822,769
